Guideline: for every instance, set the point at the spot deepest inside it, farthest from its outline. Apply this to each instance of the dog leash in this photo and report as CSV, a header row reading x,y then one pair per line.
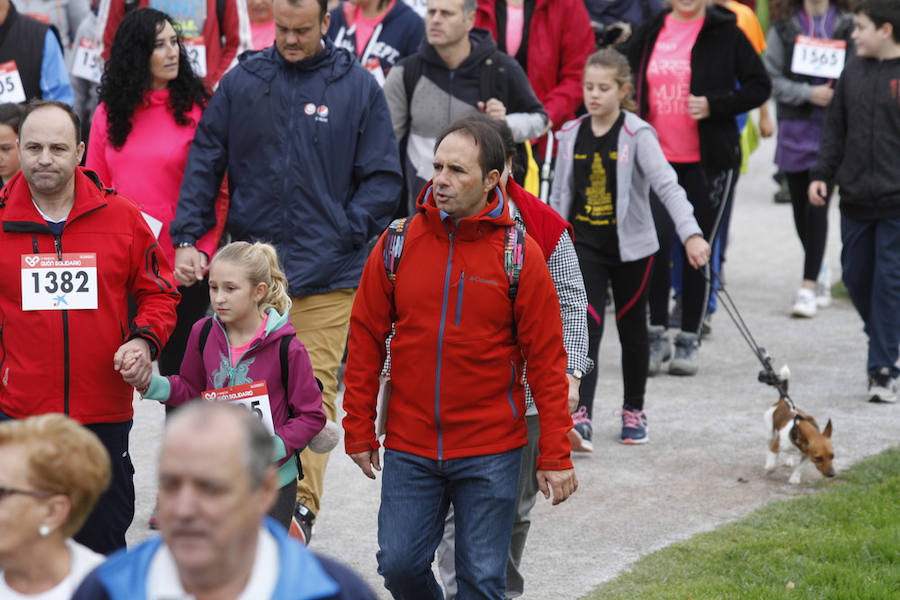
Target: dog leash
x,y
768,374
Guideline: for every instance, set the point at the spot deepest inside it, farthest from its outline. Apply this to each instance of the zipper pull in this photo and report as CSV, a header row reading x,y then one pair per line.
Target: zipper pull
x,y
57,243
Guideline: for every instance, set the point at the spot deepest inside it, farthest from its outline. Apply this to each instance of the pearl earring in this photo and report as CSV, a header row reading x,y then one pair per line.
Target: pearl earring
x,y
44,530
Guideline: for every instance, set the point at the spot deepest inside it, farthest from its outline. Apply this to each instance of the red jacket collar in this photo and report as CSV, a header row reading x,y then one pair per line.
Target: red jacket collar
x,y
16,198
496,213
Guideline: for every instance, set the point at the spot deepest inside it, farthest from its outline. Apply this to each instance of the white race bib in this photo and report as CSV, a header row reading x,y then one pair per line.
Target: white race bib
x,y
153,223
818,58
252,396
196,51
50,283
88,63
11,88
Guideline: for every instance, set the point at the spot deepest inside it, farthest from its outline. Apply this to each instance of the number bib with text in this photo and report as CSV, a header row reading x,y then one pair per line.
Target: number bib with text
x,y
50,283
252,396
11,88
818,58
88,63
196,51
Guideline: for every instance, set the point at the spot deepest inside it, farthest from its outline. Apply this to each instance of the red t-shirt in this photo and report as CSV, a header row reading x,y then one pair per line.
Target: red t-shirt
x,y
669,85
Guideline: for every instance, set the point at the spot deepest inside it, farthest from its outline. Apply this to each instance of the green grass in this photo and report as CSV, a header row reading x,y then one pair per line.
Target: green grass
x,y
841,543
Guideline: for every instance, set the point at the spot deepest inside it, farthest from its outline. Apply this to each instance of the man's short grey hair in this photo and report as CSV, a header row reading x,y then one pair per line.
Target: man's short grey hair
x,y
469,6
259,448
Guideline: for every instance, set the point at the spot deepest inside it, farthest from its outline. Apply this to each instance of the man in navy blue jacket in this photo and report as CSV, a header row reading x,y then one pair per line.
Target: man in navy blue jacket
x,y
305,134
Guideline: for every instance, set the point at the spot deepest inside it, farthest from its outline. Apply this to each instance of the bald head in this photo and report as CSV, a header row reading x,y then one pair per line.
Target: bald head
x,y
238,432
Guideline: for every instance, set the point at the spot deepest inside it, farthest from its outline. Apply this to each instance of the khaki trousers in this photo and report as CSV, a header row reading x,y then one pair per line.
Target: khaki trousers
x,y
321,322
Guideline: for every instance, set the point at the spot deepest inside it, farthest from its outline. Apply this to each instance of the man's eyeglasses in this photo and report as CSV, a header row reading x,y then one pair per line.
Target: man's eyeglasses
x,y
5,491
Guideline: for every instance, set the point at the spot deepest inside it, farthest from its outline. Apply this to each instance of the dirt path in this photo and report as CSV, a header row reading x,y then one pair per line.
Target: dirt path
x,y
703,465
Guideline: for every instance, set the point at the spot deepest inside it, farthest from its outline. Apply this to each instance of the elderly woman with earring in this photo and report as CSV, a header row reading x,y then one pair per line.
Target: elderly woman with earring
x,y
52,470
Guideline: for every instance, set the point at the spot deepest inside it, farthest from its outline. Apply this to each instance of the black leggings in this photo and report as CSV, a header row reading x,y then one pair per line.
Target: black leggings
x,y
709,192
191,308
630,283
283,509
811,223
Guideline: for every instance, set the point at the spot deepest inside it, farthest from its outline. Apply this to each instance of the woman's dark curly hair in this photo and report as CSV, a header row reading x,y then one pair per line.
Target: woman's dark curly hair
x,y
783,10
127,74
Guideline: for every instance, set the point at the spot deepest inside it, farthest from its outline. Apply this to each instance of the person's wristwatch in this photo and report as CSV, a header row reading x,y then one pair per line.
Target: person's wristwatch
x,y
577,374
185,245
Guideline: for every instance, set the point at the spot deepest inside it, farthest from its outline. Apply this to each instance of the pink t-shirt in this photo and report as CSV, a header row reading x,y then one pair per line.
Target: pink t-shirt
x,y
238,351
365,27
515,23
262,34
669,85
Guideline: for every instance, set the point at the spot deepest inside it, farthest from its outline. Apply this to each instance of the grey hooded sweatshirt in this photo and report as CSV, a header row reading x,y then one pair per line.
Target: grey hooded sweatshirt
x,y
640,166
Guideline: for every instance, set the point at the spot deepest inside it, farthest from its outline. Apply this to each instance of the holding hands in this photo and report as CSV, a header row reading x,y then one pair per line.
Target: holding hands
x,y
132,360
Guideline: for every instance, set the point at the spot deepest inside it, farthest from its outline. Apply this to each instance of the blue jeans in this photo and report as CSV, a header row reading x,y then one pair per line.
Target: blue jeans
x,y
415,495
870,261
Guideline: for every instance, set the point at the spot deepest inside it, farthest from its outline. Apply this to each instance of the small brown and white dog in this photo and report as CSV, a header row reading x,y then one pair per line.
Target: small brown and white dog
x,y
796,435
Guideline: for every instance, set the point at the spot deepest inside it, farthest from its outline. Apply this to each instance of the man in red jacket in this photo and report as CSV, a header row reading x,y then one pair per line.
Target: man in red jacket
x,y
73,253
455,424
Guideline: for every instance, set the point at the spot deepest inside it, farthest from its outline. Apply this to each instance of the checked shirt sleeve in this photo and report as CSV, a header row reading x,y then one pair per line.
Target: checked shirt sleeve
x,y
569,284
567,279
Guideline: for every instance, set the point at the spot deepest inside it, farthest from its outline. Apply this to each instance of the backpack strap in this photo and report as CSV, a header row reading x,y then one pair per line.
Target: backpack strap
x,y
283,348
285,366
513,257
394,236
413,67
488,76
204,333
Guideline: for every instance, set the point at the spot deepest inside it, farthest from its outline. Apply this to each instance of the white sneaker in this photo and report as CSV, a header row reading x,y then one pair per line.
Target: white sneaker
x,y
882,387
804,303
823,287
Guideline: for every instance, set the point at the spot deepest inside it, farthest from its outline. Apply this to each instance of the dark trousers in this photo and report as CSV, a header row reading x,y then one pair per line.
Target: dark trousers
x,y
811,223
191,308
709,192
870,264
283,509
104,530
630,286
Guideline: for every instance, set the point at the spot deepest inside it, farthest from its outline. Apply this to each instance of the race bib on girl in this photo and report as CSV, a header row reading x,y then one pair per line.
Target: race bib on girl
x,y
53,283
11,88
252,396
818,58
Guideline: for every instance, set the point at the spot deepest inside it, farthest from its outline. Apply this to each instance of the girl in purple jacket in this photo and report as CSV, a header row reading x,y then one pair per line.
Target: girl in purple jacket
x,y
245,353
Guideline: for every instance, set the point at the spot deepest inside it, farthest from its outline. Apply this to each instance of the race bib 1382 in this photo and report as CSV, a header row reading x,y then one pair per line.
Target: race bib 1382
x,y
52,283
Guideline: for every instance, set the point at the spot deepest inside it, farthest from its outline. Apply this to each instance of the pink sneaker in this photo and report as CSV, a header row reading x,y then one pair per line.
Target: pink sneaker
x,y
582,431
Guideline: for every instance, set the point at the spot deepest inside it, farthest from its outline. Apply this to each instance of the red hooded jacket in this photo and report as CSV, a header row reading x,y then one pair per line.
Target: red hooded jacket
x,y
62,360
456,363
559,40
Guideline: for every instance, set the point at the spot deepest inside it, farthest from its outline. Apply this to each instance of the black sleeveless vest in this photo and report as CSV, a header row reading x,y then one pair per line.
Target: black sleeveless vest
x,y
22,40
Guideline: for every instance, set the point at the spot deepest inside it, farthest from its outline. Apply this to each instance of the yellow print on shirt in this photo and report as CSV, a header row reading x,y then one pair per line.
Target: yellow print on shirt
x,y
598,209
